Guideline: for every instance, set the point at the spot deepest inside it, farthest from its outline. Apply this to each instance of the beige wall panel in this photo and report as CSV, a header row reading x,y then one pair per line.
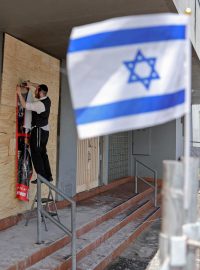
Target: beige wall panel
x,y
7,121
7,112
52,153
26,62
7,127
22,61
4,150
93,164
12,147
87,164
53,119
4,139
11,205
82,165
6,171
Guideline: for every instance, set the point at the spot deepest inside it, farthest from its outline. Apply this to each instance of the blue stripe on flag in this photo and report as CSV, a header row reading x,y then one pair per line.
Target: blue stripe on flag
x,y
129,107
128,37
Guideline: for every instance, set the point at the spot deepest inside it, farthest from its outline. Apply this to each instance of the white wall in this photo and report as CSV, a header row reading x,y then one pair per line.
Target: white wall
x,y
167,140
195,20
163,146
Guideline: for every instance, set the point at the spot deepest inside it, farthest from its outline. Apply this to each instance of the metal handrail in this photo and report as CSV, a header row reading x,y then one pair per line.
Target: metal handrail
x,y
155,186
41,212
144,165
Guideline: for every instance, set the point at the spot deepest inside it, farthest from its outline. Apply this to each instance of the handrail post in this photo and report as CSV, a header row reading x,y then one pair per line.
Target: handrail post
x,y
39,219
136,180
155,187
42,211
73,241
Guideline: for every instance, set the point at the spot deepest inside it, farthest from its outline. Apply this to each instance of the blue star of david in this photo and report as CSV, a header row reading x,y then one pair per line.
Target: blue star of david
x,y
135,77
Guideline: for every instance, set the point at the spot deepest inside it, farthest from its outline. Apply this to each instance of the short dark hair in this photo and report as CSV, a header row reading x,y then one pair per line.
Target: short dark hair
x,y
43,87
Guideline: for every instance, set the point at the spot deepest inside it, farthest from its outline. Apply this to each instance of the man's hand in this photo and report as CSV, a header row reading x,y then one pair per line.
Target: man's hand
x,y
18,90
29,84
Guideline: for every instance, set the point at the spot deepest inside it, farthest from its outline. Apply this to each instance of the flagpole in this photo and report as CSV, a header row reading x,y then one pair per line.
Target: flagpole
x,y
187,126
186,160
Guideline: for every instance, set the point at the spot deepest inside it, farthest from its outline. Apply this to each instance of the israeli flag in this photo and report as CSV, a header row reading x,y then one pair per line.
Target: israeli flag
x,y
129,73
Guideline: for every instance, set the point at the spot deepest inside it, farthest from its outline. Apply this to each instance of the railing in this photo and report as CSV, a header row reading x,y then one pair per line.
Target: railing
x,y
155,186
41,212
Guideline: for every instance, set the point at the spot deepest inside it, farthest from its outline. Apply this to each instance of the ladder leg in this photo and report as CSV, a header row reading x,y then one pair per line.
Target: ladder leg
x,y
45,223
46,207
54,205
32,206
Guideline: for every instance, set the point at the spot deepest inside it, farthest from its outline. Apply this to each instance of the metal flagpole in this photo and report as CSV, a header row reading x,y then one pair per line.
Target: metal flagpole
x,y
187,124
188,192
191,224
173,250
190,188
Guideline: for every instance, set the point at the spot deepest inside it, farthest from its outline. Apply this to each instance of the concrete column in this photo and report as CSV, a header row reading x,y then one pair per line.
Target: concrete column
x,y
179,138
67,149
105,151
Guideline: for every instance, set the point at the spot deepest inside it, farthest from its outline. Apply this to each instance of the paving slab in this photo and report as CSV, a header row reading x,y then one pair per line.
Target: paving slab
x,y
19,241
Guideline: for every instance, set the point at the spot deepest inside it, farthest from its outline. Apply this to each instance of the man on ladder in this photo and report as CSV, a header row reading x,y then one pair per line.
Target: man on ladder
x,y
40,128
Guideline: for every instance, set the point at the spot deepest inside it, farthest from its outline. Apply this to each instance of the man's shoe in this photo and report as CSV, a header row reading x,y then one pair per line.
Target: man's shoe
x,y
50,179
34,181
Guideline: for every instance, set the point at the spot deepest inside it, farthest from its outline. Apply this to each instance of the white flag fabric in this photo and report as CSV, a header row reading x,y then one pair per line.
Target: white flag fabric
x,y
129,73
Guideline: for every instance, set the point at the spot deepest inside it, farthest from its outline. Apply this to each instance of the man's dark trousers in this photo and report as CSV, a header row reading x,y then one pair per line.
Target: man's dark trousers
x,y
38,143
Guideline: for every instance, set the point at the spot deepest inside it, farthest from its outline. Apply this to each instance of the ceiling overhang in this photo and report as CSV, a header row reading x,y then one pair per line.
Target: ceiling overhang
x,y
46,24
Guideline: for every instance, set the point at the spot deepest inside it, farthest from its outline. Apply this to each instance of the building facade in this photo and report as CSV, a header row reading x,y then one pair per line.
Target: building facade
x,y
80,165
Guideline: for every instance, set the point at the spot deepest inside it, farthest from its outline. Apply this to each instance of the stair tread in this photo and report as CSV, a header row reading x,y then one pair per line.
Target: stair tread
x,y
106,225
107,247
17,244
84,240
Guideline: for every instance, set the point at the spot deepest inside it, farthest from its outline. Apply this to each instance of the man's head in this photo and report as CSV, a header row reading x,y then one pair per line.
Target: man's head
x,y
41,91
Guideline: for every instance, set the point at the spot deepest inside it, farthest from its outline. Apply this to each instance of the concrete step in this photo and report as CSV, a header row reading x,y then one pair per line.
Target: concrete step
x,y
23,255
94,238
100,258
139,254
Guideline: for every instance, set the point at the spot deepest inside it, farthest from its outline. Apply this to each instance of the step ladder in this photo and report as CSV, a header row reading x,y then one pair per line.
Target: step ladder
x,y
49,205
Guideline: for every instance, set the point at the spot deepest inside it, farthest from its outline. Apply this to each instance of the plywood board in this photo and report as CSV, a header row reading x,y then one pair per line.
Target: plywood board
x,y
7,127
7,112
26,62
4,151
12,147
21,61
